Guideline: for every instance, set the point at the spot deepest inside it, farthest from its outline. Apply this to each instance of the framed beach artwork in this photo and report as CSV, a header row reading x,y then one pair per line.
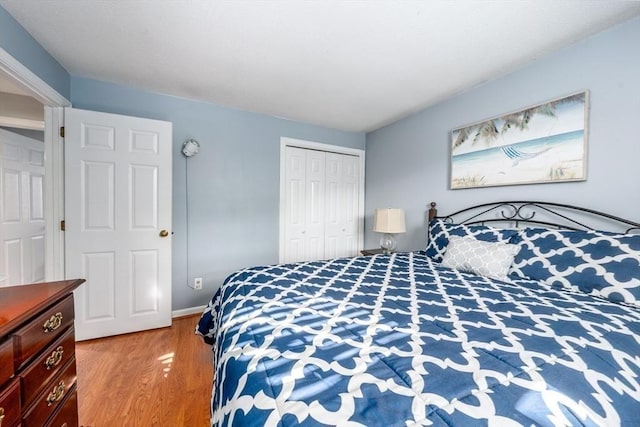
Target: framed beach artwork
x,y
540,144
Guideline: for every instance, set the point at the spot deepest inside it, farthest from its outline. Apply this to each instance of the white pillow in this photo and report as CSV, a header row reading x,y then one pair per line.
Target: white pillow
x,y
491,259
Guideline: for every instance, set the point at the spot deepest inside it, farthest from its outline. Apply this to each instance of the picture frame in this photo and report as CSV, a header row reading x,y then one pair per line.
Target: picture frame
x,y
544,143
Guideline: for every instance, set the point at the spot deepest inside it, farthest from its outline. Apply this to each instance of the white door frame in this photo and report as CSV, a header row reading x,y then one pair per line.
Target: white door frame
x,y
300,143
54,104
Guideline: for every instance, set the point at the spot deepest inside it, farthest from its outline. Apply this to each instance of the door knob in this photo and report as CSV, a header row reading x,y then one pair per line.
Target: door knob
x,y
164,233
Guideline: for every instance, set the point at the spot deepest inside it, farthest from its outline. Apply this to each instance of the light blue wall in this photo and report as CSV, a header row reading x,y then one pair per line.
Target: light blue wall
x,y
234,187
24,48
407,163
234,182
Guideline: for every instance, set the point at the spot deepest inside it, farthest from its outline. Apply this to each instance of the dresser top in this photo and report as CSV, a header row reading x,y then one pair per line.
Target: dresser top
x,y
19,303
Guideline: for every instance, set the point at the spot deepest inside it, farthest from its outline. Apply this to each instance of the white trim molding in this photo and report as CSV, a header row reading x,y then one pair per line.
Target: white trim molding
x,y
30,82
188,311
54,193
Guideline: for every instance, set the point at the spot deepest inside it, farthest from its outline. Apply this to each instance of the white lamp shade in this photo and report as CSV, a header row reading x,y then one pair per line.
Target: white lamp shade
x,y
389,221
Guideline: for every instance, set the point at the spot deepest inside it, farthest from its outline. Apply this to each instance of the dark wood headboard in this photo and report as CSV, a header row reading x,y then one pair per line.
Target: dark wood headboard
x,y
532,213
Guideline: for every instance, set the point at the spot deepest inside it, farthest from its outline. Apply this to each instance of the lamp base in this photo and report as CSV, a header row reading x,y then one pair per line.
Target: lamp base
x,y
388,243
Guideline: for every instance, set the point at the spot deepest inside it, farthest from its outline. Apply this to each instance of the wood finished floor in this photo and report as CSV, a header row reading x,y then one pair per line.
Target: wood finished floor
x,y
154,378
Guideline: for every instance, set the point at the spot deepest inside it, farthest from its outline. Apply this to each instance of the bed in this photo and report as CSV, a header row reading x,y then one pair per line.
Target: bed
x,y
515,313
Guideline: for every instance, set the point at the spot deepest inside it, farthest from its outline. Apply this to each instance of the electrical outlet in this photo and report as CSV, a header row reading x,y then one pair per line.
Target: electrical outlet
x,y
197,283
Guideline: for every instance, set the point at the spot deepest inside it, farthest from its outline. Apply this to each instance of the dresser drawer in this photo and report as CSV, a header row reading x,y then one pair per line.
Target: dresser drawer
x,y
46,366
10,404
6,361
41,331
49,399
67,416
36,333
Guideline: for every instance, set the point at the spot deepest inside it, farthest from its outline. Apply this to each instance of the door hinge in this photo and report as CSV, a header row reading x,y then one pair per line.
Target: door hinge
x,y
62,225
61,131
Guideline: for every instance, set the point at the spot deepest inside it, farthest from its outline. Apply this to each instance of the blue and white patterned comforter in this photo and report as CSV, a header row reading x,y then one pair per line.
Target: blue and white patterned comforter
x,y
398,340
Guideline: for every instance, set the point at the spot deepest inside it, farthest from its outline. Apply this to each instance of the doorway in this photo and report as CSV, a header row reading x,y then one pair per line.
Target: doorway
x,y
147,269
27,88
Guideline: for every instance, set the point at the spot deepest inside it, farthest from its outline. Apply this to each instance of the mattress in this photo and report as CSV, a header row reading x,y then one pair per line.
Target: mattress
x,y
394,340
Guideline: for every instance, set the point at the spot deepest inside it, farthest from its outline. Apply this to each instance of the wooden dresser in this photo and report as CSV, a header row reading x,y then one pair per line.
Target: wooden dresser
x,y
37,355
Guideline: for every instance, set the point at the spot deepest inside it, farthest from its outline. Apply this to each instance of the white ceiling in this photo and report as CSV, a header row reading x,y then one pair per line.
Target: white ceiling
x,y
351,65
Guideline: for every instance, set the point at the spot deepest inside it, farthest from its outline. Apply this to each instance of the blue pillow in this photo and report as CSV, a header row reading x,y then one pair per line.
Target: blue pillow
x,y
595,262
440,231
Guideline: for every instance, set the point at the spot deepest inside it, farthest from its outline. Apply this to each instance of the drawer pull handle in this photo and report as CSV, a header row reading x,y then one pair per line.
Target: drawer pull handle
x,y
1,416
54,359
53,323
56,394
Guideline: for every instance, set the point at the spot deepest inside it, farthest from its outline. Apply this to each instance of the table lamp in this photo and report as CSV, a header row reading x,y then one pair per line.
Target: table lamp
x,y
389,222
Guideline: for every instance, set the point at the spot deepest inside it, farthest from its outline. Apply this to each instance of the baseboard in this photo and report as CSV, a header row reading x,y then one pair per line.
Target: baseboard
x,y
187,311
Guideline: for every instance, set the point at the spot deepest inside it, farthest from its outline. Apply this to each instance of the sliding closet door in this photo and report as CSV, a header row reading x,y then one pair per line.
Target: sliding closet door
x,y
321,205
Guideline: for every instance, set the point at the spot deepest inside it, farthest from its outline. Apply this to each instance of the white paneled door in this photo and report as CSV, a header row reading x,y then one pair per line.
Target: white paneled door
x,y
22,226
313,204
118,221
321,204
341,212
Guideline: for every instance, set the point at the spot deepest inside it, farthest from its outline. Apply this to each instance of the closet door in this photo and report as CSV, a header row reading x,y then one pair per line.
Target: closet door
x,y
295,202
304,204
294,196
314,233
342,196
321,205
